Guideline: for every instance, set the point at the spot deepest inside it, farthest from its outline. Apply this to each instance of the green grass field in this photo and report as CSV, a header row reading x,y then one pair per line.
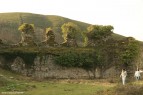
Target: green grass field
x,y
15,84
55,88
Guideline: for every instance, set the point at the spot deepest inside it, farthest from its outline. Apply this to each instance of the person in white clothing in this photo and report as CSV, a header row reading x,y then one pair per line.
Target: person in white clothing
x,y
123,76
137,74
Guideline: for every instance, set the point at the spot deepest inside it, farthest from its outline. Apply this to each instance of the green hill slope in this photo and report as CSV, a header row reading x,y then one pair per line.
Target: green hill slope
x,y
9,23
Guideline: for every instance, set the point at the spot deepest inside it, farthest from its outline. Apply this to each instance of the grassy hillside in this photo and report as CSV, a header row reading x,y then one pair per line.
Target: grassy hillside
x,y
9,23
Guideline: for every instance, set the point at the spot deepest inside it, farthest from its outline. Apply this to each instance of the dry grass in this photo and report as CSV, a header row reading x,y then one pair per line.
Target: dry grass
x,y
134,88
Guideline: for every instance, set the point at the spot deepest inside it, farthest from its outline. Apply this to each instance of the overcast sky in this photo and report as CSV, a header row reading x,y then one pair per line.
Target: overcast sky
x,y
125,15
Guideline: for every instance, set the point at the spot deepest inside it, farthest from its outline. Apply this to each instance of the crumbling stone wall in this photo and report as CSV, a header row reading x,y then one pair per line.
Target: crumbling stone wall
x,y
18,66
47,69
44,67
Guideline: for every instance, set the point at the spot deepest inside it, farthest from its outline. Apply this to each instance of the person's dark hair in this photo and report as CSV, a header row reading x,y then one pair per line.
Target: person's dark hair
x,y
124,69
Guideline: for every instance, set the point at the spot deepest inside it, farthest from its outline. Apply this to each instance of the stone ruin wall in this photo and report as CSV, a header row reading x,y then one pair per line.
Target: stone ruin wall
x,y
46,68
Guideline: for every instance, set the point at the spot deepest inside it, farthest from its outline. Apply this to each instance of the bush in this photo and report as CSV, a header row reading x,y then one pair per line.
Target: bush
x,y
74,59
67,59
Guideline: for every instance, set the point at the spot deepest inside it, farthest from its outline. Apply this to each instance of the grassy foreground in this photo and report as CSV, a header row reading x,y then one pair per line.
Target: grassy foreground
x,y
63,87
66,88
15,84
